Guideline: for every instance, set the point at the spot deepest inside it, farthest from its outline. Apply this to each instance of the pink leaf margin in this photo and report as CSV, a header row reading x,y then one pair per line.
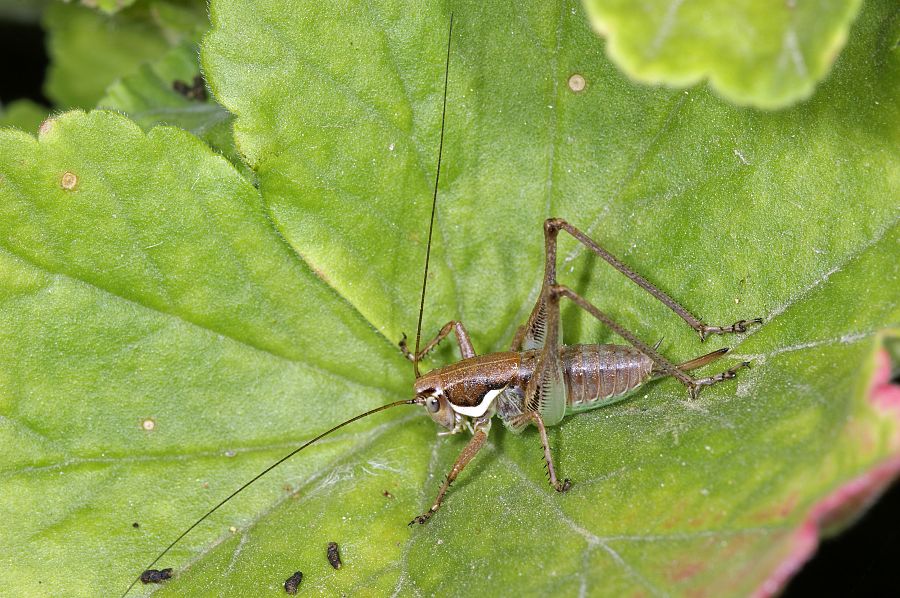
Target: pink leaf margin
x,y
851,498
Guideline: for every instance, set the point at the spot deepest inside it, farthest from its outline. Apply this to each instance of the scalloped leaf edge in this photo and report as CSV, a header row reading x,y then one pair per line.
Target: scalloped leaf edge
x,y
616,52
849,501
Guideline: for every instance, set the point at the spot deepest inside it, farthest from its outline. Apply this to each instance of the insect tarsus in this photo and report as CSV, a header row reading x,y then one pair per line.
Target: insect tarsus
x,y
540,380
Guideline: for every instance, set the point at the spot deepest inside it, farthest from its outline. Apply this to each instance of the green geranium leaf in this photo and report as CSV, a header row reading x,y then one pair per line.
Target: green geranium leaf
x,y
90,50
107,6
768,54
122,254
151,97
22,11
892,345
23,114
169,330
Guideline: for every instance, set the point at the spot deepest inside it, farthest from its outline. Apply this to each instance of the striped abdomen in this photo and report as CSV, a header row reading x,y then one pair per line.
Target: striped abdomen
x,y
596,373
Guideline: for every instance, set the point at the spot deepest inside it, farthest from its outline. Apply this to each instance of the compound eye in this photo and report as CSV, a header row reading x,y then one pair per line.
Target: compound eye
x,y
433,405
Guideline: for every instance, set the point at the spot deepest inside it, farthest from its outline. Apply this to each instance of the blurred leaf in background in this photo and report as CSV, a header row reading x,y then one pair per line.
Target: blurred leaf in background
x,y
22,114
90,50
150,97
762,53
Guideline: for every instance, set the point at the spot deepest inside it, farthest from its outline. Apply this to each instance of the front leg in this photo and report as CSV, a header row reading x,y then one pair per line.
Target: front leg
x,y
467,454
462,338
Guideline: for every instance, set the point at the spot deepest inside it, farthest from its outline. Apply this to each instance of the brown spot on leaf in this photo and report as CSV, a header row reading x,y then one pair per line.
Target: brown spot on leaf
x,y
685,571
577,83
68,181
45,126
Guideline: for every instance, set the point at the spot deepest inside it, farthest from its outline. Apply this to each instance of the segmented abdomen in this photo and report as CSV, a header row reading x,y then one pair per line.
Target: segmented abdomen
x,y
598,372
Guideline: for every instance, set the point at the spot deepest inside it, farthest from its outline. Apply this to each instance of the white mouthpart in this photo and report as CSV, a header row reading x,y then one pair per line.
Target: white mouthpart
x,y
481,408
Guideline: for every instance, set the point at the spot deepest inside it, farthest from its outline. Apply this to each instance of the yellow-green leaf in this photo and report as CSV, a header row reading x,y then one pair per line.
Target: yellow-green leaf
x,y
168,329
762,53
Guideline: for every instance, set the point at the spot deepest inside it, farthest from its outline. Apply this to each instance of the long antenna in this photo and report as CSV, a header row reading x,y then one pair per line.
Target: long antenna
x,y
437,178
264,472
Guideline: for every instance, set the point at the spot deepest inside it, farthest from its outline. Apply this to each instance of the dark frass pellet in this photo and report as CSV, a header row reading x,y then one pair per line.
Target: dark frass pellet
x,y
334,556
293,582
156,575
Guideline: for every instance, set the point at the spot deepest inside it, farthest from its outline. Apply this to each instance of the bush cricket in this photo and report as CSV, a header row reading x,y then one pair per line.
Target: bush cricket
x,y
539,380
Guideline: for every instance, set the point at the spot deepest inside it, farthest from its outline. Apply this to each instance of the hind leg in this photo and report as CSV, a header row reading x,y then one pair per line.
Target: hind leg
x,y
552,226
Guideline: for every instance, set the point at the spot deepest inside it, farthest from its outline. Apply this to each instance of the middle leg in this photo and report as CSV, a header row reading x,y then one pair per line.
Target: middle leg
x,y
535,418
467,454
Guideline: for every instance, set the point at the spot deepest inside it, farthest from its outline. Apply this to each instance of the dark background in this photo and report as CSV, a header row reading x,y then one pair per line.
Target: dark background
x,y
23,62
863,561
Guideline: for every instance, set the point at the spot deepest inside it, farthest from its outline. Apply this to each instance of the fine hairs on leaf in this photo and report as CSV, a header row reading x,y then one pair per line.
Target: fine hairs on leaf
x,y
241,284
252,480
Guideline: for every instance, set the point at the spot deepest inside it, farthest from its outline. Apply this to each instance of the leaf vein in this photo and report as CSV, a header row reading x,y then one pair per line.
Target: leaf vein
x,y
199,325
